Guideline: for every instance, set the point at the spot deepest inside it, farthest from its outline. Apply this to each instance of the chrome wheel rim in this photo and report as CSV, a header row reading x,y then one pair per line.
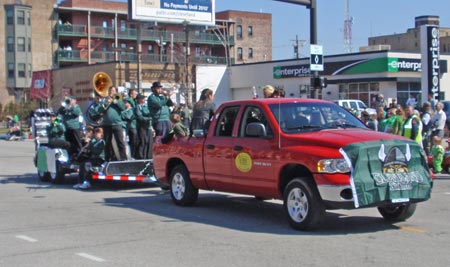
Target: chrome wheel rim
x,y
297,205
178,186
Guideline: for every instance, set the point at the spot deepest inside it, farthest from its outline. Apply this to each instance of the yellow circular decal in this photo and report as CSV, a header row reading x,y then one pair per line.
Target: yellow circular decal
x,y
243,162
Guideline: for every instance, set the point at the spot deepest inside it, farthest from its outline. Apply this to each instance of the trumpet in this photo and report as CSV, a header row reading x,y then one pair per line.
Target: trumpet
x,y
117,97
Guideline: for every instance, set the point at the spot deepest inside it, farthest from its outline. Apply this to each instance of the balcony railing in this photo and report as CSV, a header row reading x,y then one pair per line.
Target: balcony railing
x,y
146,35
81,56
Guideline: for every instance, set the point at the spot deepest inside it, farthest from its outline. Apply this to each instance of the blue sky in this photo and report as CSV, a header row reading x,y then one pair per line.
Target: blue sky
x,y
371,18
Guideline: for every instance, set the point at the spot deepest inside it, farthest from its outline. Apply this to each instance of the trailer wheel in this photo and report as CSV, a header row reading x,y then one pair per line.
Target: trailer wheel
x,y
181,189
43,176
397,213
303,205
58,176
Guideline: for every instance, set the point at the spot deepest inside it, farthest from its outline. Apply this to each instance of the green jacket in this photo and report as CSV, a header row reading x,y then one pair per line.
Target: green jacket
x,y
112,113
56,131
129,119
143,116
96,148
159,107
70,116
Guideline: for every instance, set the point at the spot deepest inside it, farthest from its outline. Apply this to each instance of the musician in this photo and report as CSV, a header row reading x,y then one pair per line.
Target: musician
x,y
95,157
131,127
159,103
112,122
70,114
55,133
144,129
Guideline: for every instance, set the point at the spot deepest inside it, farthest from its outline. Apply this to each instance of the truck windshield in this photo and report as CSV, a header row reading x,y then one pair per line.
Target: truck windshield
x,y
307,117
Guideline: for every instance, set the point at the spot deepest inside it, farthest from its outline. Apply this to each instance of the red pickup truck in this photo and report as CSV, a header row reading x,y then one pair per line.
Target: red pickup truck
x,y
312,154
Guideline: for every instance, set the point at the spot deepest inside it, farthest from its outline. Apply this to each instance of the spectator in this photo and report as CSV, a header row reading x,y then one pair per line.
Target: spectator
x,y
438,121
438,154
13,130
203,111
412,128
268,91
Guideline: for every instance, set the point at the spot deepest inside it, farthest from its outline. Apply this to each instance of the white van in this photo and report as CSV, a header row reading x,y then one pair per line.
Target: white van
x,y
354,104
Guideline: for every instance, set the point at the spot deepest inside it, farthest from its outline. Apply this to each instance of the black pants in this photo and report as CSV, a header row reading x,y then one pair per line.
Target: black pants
x,y
133,142
73,136
117,132
145,143
85,173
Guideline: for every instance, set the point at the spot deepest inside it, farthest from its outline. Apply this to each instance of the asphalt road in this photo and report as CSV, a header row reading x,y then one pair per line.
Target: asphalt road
x,y
42,224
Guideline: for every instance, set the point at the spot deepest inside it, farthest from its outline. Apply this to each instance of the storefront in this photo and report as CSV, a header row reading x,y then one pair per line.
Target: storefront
x,y
350,76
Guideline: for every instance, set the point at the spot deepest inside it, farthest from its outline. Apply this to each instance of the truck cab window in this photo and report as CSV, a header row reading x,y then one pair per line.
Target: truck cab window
x,y
226,121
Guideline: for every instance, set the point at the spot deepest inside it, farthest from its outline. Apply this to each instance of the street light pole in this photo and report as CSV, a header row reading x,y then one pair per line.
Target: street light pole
x,y
186,74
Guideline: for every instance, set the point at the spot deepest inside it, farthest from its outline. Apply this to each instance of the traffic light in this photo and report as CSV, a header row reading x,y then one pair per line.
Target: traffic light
x,y
319,82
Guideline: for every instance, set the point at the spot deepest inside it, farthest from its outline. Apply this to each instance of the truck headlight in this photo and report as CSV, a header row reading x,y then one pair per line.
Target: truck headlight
x,y
333,166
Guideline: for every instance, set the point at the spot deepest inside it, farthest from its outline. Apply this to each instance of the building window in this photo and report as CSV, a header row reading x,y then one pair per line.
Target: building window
x,y
29,44
10,44
123,25
10,17
197,51
21,17
250,52
239,31
239,52
21,44
21,70
105,24
150,49
28,18
29,70
10,70
250,31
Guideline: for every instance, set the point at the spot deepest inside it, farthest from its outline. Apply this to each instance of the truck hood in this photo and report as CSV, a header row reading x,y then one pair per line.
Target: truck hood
x,y
338,138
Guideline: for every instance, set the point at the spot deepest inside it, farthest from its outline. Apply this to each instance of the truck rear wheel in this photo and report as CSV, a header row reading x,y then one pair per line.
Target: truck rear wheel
x,y
397,213
181,189
303,205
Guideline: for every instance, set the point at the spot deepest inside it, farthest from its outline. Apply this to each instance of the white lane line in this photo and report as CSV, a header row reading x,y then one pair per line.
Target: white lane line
x,y
90,257
26,238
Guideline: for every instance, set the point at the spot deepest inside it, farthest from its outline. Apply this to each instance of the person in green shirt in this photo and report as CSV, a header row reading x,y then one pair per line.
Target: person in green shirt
x,y
438,154
70,114
158,103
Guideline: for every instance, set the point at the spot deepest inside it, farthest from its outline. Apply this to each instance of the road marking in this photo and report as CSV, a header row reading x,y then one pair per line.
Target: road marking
x,y
26,238
412,229
90,257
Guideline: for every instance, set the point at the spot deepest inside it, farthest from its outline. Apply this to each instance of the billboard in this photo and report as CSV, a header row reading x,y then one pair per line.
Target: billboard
x,y
193,12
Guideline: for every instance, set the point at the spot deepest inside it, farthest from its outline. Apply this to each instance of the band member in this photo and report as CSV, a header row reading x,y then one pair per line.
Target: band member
x,y
55,133
95,157
144,129
131,126
70,113
159,103
112,107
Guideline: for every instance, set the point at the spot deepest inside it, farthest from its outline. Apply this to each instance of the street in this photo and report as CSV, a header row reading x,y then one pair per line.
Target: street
x,y
42,224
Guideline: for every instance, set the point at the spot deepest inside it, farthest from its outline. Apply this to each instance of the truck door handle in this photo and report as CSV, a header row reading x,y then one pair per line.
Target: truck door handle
x,y
210,146
238,148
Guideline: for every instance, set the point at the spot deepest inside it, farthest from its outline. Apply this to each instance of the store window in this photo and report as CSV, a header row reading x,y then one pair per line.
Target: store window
x,y
406,89
359,91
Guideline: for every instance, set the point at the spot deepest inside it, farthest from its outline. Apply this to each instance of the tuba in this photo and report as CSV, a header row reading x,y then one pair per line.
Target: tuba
x,y
101,82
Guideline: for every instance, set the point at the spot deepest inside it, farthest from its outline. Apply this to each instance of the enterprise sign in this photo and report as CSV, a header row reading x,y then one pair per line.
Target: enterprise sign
x,y
280,72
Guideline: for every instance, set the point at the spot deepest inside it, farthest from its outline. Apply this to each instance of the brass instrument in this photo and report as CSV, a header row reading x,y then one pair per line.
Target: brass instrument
x,y
117,97
102,82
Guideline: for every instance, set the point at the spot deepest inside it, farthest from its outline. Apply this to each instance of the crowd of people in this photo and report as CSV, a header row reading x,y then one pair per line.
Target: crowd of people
x,y
425,125
126,126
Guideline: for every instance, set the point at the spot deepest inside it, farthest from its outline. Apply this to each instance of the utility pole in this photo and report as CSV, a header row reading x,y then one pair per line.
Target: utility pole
x,y
186,74
298,45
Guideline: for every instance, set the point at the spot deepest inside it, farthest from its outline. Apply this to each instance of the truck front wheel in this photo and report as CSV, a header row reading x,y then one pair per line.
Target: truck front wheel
x,y
303,205
397,213
181,189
